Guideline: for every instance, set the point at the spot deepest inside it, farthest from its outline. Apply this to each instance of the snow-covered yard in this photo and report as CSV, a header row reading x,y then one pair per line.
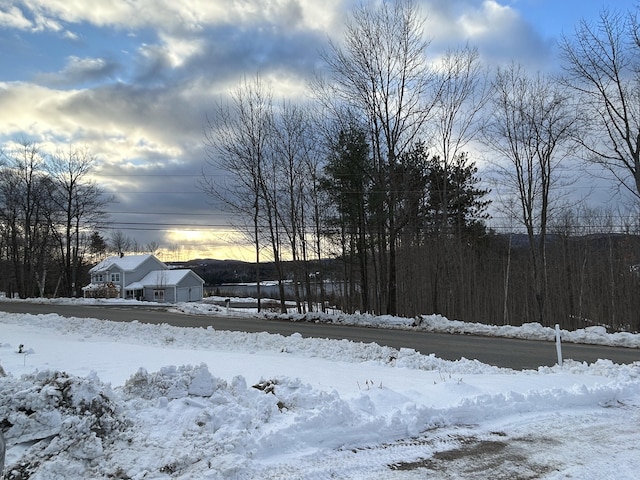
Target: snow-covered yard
x,y
86,398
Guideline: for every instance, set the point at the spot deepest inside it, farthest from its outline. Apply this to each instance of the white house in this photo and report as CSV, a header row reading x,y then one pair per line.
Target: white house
x,y
143,277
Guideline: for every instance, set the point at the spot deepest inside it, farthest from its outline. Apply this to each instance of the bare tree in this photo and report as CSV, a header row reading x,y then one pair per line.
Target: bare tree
x,y
80,207
25,215
531,127
602,64
381,71
316,203
292,145
120,243
236,142
458,110
153,248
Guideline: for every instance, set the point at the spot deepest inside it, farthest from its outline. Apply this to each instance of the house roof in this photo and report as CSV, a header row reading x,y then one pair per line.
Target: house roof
x,y
126,263
162,277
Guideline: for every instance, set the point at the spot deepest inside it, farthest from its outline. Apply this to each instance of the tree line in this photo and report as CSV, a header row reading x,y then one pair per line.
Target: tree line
x,y
377,168
50,211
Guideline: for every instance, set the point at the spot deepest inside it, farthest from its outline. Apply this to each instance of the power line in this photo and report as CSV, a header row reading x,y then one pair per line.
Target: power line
x,y
150,229
160,192
166,175
161,224
182,214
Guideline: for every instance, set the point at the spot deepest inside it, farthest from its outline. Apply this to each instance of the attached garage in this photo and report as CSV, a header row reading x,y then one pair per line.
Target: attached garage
x,y
189,294
172,286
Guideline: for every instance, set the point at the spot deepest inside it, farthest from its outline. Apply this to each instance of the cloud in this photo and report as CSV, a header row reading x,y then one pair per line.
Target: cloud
x,y
29,108
179,49
503,35
142,112
12,17
481,22
147,143
160,62
119,123
31,20
188,15
496,29
79,71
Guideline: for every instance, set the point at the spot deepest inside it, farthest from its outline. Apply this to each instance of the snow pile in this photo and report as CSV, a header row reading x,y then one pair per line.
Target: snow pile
x,y
596,335
64,419
88,398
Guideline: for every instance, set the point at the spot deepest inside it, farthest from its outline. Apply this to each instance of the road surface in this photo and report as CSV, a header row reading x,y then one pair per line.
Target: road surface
x,y
502,352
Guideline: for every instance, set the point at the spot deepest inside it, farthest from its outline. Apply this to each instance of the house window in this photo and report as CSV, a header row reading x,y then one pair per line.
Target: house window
x,y
115,277
158,295
99,278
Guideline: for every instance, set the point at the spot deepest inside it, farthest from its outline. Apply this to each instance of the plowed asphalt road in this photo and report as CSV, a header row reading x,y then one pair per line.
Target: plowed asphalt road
x,y
511,353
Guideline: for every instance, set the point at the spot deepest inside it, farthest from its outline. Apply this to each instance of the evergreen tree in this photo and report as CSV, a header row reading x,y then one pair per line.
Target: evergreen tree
x,y
409,179
347,183
97,245
455,204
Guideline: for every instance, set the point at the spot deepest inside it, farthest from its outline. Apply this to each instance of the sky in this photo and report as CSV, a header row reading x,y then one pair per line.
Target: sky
x,y
134,81
90,398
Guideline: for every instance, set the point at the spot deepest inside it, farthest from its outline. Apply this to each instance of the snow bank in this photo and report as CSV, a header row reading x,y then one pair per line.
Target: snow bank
x,y
89,398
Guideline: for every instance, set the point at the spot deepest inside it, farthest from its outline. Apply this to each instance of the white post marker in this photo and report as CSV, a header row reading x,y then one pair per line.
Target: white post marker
x,y
558,345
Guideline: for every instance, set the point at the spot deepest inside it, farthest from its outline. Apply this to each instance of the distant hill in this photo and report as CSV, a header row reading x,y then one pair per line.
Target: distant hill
x,y
218,272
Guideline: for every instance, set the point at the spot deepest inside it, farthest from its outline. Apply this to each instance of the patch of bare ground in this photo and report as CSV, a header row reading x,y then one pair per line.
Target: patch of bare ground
x,y
496,457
